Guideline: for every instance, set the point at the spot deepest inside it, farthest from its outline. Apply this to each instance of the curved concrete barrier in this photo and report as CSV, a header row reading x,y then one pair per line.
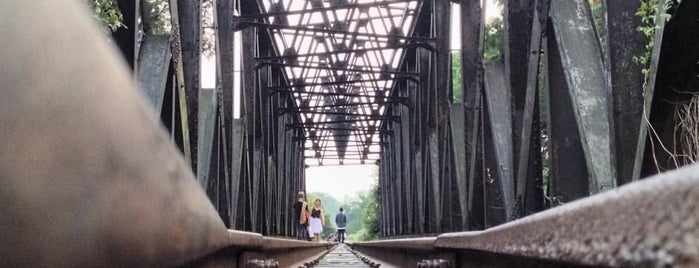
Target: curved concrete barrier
x,y
649,223
88,177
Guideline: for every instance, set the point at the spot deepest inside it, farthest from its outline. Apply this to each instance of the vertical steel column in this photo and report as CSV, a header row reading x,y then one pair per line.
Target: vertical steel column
x,y
441,16
399,172
189,12
252,154
179,82
408,91
518,17
527,141
389,179
230,132
625,79
472,35
422,157
382,193
265,191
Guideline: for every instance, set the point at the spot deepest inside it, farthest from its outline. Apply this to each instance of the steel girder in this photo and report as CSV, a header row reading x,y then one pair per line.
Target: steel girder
x,y
251,167
444,165
494,156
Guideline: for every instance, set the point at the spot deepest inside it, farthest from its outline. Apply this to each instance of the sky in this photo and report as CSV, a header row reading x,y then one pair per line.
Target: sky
x,y
339,181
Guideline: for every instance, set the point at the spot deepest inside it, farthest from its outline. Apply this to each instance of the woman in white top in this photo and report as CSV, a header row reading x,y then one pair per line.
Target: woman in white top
x,y
317,220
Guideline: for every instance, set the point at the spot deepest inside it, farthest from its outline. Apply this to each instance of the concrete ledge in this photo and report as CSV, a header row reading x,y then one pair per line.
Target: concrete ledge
x,y
654,223
88,175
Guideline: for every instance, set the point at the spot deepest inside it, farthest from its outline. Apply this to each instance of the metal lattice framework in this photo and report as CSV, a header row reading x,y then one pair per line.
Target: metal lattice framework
x,y
341,58
370,81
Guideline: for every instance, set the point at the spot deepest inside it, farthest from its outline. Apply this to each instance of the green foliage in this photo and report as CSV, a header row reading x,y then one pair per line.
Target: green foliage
x,y
492,50
208,40
597,10
108,13
361,212
648,12
363,216
370,216
157,16
354,209
456,79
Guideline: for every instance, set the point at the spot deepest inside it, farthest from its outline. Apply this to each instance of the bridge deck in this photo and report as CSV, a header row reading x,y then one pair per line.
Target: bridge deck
x,y
341,256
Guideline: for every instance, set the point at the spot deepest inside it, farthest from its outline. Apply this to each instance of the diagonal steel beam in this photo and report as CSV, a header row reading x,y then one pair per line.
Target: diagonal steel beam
x,y
342,94
585,75
243,24
348,82
344,121
381,103
346,51
334,113
354,70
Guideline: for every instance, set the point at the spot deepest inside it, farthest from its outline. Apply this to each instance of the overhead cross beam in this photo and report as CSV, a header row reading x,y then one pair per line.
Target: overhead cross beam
x,y
370,70
244,24
342,94
346,121
347,82
347,51
324,9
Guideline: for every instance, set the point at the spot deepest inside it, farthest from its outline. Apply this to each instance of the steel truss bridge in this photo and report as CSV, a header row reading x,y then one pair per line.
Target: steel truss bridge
x,y
112,154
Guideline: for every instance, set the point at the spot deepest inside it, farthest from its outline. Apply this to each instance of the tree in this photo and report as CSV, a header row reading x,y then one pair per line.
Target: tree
x,y
371,214
492,52
456,76
363,216
354,211
108,13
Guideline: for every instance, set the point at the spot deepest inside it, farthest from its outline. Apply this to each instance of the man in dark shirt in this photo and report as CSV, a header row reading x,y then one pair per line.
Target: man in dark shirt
x,y
301,211
341,223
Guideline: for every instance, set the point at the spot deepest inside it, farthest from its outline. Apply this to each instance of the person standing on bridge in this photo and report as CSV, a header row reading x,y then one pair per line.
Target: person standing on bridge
x,y
301,209
341,223
317,220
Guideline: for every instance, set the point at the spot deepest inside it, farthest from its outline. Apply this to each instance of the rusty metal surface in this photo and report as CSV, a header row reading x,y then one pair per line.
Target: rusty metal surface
x,y
243,247
652,223
424,243
272,243
87,175
401,252
584,72
248,240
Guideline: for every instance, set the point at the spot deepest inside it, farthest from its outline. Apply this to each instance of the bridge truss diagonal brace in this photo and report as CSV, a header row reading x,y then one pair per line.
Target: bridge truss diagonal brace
x,y
152,69
585,75
497,97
